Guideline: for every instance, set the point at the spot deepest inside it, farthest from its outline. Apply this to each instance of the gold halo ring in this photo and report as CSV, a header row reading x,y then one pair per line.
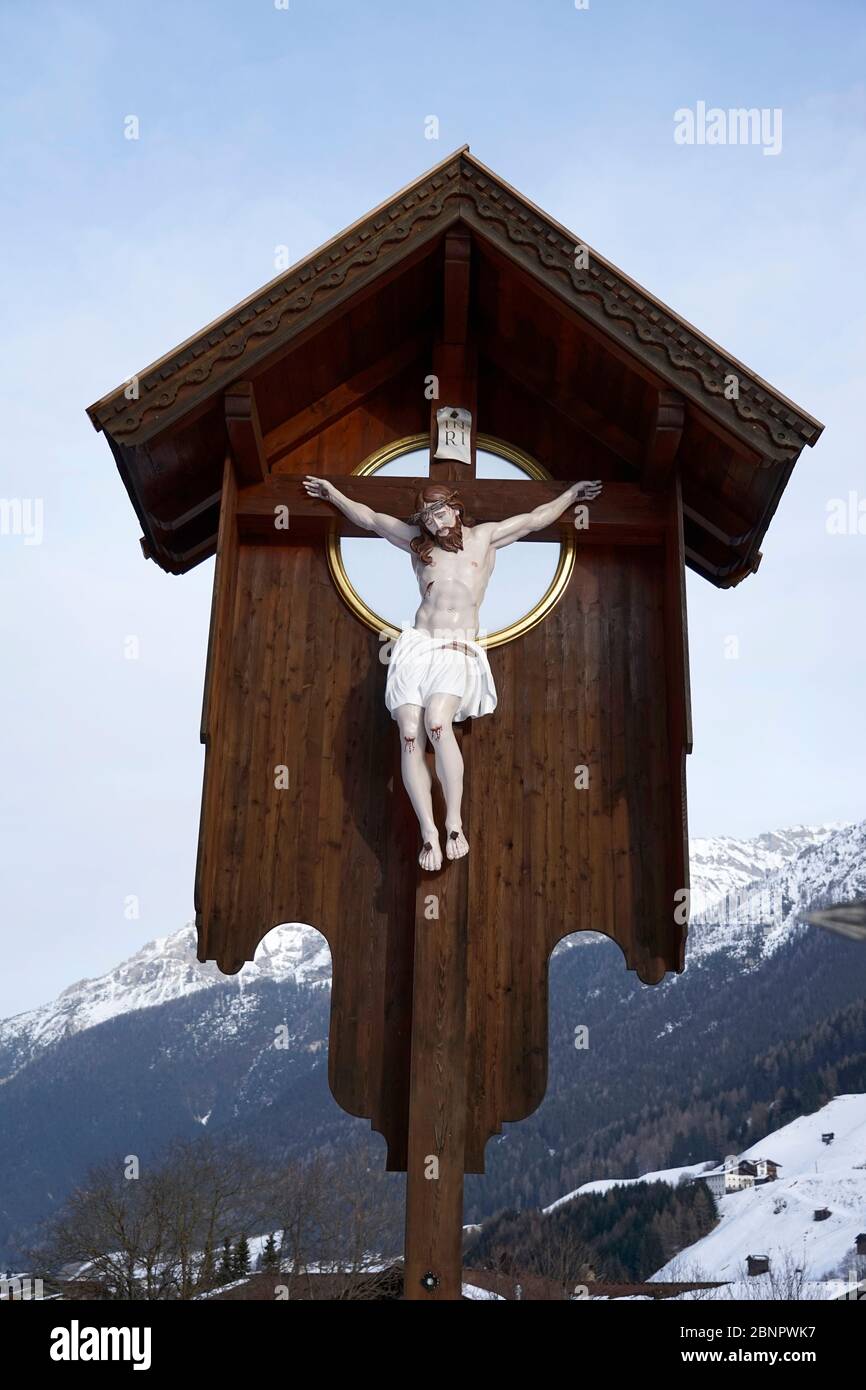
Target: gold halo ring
x,y
365,614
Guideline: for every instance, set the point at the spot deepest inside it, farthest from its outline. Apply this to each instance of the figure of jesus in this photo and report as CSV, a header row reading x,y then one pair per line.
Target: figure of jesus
x,y
438,674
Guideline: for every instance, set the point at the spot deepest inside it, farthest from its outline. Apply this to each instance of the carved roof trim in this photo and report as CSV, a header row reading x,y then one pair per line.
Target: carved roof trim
x,y
459,186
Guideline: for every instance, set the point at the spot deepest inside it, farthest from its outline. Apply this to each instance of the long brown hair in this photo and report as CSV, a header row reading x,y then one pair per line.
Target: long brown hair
x,y
452,538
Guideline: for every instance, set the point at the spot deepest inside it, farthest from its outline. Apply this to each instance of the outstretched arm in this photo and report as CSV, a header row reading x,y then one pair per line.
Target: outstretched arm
x,y
399,533
514,528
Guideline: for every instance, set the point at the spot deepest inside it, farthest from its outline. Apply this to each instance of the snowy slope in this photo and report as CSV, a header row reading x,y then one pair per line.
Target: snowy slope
x,y
669,1175
776,1219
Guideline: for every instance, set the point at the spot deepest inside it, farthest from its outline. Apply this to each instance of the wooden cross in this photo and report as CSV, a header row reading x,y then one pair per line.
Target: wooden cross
x,y
575,807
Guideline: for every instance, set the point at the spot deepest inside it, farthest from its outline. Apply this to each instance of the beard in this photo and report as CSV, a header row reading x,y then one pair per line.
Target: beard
x,y
451,538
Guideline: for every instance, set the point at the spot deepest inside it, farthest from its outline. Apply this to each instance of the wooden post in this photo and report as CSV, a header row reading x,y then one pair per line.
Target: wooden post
x,y
437,1084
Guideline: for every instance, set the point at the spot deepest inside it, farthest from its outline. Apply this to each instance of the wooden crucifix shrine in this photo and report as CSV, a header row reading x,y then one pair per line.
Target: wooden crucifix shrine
x,y
456,293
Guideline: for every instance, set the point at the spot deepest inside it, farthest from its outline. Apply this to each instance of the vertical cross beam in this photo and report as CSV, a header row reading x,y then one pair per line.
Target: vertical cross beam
x,y
437,1086
454,355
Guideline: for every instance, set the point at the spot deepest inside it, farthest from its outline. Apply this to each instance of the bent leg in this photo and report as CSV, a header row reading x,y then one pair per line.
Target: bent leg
x,y
417,781
438,720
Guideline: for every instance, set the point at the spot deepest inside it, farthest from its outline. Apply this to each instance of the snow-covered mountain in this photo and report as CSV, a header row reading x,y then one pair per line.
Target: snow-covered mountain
x,y
777,1219
721,865
752,922
164,970
747,896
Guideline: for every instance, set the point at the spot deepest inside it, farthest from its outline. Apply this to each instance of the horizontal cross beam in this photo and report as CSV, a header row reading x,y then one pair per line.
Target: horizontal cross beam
x,y
280,510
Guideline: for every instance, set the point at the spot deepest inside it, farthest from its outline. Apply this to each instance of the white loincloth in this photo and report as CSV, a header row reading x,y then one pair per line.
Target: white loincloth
x,y
422,666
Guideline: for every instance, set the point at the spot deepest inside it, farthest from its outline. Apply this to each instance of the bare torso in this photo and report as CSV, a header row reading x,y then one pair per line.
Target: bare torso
x,y
453,585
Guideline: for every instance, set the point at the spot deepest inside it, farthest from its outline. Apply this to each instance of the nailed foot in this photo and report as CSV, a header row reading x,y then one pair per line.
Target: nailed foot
x,y
456,844
430,857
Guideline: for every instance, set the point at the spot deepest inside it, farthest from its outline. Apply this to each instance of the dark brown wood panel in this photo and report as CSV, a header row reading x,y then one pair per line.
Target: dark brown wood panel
x,y
351,343
302,688
548,859
396,410
342,399
511,410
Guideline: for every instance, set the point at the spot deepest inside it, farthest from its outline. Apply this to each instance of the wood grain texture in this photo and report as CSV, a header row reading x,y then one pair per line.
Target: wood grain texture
x,y
438,1091
295,693
332,406
302,688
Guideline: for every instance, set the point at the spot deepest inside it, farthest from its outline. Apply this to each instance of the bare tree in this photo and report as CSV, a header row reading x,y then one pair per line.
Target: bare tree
x,y
156,1236
153,1236
561,1255
678,1271
339,1216
784,1282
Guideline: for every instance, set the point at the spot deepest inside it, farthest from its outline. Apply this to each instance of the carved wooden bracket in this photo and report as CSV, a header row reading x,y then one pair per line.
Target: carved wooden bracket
x,y
245,434
663,441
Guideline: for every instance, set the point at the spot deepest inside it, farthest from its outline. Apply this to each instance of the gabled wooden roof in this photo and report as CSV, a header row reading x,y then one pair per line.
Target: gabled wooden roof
x,y
600,350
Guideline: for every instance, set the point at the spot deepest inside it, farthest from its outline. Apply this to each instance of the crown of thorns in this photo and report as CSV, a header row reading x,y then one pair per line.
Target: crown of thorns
x,y
423,512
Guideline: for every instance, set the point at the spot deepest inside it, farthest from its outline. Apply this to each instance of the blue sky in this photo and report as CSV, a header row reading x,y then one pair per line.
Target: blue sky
x,y
262,127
